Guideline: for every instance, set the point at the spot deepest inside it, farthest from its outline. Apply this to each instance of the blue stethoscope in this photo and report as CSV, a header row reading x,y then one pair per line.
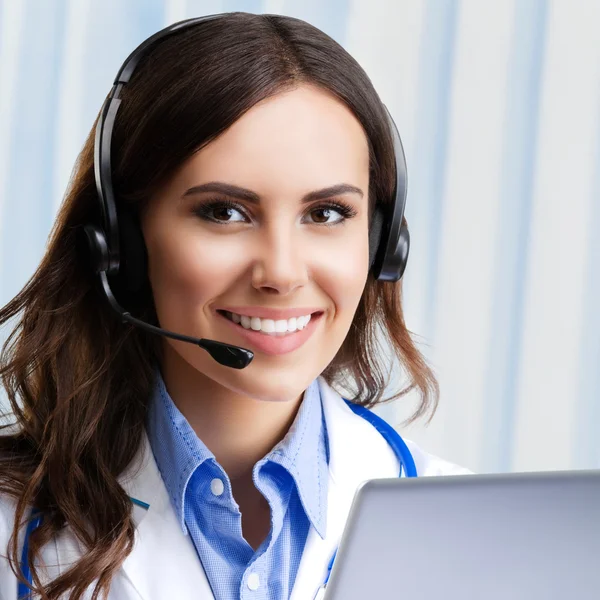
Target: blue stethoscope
x,y
391,436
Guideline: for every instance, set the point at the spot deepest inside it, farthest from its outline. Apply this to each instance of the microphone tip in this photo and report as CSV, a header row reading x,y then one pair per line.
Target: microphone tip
x,y
228,355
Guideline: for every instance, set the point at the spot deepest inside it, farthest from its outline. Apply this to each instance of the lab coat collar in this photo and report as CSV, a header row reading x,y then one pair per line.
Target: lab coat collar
x,y
163,554
164,558
357,453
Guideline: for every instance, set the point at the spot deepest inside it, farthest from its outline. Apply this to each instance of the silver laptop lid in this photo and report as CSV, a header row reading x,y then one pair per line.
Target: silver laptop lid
x,y
525,536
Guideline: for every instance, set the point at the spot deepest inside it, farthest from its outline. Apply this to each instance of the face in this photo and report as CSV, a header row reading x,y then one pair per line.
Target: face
x,y
262,228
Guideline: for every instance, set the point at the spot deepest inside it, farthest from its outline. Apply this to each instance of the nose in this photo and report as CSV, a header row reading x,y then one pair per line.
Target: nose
x,y
281,265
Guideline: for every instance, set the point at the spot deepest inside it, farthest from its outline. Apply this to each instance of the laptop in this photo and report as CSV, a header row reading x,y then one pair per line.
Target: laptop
x,y
527,536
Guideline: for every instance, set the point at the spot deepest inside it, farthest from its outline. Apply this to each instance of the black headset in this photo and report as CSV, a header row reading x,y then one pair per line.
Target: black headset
x,y
117,246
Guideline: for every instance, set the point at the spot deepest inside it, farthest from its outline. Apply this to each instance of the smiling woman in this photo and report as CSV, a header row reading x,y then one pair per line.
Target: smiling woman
x,y
252,193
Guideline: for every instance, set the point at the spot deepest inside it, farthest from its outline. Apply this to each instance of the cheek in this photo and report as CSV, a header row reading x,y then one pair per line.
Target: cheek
x,y
347,271
186,271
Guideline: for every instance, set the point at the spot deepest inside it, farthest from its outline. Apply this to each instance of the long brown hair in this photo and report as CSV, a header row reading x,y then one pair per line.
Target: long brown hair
x,y
79,381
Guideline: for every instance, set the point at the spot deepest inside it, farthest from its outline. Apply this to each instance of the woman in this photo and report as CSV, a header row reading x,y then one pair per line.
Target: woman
x,y
252,167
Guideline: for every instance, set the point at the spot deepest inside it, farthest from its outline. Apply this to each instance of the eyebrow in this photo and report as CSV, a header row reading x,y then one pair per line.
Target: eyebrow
x,y
250,196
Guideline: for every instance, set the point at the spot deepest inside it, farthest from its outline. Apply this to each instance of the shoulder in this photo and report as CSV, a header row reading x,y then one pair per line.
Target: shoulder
x,y
430,465
373,455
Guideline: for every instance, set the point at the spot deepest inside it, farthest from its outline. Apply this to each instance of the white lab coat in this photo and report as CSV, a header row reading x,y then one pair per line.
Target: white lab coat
x,y
164,563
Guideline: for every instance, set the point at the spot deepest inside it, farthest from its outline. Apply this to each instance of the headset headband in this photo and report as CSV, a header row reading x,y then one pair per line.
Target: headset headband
x,y
389,240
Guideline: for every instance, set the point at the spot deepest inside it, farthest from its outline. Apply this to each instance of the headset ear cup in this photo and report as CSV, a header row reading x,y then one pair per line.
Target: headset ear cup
x,y
133,263
391,266
93,241
402,251
375,234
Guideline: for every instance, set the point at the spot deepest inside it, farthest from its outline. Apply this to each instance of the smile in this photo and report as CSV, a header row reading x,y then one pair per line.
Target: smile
x,y
268,335
278,327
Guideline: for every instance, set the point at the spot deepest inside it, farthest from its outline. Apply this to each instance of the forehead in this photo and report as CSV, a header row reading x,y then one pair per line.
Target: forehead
x,y
297,141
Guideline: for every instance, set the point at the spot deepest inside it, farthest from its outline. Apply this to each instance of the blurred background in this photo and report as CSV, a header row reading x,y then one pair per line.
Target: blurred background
x,y
498,105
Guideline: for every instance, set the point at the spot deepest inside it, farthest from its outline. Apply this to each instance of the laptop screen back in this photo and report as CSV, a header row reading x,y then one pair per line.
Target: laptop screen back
x,y
520,536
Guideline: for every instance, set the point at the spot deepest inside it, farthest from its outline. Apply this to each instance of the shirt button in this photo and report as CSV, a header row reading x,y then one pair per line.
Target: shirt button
x,y
217,487
253,581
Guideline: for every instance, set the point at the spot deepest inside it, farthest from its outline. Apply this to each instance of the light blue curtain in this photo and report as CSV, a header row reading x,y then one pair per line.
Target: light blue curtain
x,y
498,106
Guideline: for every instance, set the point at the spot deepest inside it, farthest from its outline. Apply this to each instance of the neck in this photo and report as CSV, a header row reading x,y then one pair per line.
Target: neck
x,y
239,430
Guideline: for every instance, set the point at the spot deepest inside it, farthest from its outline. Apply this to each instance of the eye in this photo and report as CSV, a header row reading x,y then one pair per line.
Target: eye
x,y
223,211
220,211
332,213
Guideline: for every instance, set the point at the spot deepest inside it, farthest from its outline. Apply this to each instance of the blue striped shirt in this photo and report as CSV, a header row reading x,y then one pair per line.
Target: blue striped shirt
x,y
292,477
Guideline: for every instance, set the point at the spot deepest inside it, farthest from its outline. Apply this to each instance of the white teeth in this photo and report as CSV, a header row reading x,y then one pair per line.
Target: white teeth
x,y
281,326
270,326
267,325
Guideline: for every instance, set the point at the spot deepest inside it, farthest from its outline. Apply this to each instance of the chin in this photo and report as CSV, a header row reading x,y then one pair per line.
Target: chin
x,y
270,389
265,379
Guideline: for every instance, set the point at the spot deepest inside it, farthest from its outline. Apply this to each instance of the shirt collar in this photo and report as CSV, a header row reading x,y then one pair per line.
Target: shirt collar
x,y
303,452
177,449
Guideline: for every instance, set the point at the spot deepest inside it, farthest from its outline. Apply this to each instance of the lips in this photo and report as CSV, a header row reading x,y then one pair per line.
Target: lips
x,y
273,344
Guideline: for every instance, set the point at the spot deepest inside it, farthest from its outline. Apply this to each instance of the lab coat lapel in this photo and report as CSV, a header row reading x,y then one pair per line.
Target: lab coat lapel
x,y
163,563
357,453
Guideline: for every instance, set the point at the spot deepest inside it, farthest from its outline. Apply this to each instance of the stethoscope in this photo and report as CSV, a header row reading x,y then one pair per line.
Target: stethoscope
x,y
391,436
